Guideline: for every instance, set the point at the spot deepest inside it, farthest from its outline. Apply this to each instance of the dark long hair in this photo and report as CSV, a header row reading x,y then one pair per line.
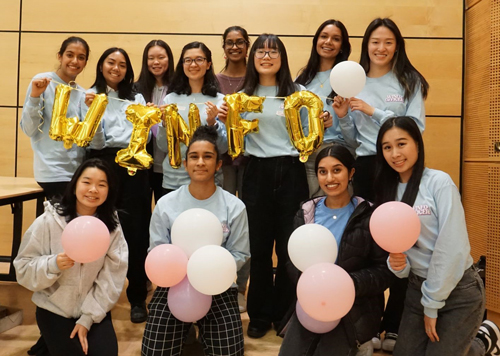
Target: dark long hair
x,y
242,31
106,211
283,77
386,178
180,82
74,39
308,73
408,76
205,133
338,152
146,82
125,87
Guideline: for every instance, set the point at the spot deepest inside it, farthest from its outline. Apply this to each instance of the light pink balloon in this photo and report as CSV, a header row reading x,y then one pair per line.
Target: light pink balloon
x,y
85,239
326,292
395,226
313,325
166,265
186,303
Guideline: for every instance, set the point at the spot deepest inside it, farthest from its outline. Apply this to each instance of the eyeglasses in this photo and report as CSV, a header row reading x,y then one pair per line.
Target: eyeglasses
x,y
273,54
198,60
240,43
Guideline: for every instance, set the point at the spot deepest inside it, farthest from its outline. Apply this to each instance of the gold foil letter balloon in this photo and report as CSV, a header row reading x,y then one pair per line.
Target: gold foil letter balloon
x,y
236,127
178,131
69,129
305,145
135,156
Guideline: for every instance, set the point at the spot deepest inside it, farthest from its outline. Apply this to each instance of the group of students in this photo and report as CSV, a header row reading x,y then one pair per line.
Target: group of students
x,y
372,146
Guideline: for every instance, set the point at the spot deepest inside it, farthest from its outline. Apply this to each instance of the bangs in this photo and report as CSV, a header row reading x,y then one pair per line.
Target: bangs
x,y
267,40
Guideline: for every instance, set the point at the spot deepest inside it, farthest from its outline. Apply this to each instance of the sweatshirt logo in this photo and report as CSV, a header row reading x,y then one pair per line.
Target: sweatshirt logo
x,y
422,209
394,98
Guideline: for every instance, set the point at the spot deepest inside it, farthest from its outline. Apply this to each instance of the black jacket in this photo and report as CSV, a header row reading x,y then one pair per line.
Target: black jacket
x,y
365,262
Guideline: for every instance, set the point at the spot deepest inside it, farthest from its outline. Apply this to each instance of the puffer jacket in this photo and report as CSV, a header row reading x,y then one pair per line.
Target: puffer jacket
x,y
365,262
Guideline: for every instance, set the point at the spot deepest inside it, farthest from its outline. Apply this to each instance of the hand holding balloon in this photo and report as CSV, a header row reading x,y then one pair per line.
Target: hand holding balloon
x,y
340,106
89,98
38,86
358,104
397,261
327,119
64,262
223,112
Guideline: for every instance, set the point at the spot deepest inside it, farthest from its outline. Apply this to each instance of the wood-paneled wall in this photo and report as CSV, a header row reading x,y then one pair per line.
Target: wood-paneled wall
x,y
31,32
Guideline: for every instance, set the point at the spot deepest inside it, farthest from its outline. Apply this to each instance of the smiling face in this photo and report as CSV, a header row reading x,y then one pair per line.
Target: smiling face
x,y
196,71
400,151
91,191
157,61
267,66
333,178
238,51
329,42
73,61
201,163
381,47
114,69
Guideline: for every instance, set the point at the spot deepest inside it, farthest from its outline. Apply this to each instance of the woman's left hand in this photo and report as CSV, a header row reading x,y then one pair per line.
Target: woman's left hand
x,y
327,119
358,104
82,335
212,112
430,328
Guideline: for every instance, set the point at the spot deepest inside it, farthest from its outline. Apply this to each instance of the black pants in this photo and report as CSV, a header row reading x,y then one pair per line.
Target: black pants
x,y
155,181
273,189
134,211
364,176
56,331
53,190
395,305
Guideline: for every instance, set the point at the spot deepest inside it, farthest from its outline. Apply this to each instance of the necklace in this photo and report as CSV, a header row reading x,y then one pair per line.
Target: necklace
x,y
237,86
321,82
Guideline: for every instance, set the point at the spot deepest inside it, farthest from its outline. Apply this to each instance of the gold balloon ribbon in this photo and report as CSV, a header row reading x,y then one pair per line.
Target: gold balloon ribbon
x,y
305,145
178,131
135,156
236,127
70,129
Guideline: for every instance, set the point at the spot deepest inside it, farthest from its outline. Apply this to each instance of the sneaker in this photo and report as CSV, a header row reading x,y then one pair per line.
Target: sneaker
x,y
242,302
138,313
377,344
490,335
389,342
365,350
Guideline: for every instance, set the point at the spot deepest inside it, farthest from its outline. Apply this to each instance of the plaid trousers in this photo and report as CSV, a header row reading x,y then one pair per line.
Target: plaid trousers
x,y
221,329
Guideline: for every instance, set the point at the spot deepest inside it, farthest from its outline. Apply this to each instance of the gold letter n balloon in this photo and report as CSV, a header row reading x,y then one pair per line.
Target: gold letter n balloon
x,y
69,129
293,103
135,156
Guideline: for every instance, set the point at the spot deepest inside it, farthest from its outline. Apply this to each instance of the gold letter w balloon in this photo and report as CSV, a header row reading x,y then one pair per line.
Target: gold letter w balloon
x,y
69,129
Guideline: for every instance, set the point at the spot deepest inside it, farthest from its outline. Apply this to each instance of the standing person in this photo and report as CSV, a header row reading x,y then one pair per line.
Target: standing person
x,y
194,81
221,330
235,43
73,299
54,165
330,46
156,74
114,77
348,219
445,299
273,186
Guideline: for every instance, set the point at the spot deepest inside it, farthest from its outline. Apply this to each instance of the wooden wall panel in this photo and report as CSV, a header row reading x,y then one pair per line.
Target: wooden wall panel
x,y
24,154
9,16
8,68
7,141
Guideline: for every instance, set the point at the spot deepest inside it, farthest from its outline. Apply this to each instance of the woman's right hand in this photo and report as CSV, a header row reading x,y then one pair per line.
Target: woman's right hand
x,y
38,86
340,106
223,112
89,98
64,262
397,261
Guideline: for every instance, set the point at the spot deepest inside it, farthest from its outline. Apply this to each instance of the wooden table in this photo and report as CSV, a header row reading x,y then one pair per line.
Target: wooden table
x,y
15,191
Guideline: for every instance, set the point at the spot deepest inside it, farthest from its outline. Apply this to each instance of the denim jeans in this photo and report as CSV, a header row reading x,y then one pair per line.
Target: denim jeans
x,y
457,323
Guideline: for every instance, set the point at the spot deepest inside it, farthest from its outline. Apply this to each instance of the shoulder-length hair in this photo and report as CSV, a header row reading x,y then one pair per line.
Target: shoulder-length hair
x,y
125,87
180,82
408,76
286,85
106,211
386,178
147,81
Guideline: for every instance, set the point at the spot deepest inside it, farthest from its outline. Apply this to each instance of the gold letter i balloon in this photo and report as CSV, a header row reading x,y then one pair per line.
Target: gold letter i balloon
x,y
69,129
236,127
178,131
135,156
293,103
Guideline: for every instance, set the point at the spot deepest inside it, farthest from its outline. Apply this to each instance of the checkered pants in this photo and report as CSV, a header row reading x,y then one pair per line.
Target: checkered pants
x,y
221,329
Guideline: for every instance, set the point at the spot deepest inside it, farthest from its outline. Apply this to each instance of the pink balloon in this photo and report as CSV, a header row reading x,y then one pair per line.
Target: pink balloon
x,y
85,239
325,292
186,303
395,226
313,325
166,265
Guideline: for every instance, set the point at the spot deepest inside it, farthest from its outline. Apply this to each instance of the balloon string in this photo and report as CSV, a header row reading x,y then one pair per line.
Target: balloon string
x,y
83,91
284,97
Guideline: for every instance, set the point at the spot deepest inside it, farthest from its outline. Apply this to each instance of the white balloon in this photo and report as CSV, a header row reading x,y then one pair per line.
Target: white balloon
x,y
195,228
211,270
347,79
310,244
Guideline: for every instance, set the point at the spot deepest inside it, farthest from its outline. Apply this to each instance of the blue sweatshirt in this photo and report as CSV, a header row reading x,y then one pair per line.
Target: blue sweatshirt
x,y
51,161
